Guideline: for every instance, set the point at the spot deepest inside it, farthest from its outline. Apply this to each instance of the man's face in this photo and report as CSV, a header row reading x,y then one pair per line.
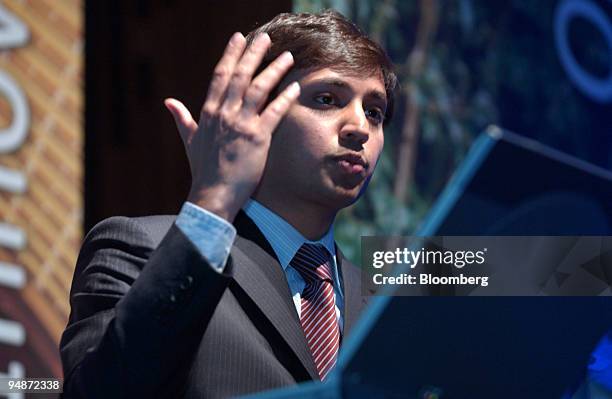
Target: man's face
x,y
325,149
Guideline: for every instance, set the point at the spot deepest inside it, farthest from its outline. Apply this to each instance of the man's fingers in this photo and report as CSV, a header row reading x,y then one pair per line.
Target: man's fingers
x,y
243,72
182,118
223,72
275,111
262,85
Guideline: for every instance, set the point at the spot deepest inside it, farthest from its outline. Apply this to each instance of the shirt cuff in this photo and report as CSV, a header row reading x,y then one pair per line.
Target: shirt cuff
x,y
212,235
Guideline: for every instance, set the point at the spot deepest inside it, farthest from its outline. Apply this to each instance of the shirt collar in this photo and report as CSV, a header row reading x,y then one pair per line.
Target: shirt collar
x,y
283,237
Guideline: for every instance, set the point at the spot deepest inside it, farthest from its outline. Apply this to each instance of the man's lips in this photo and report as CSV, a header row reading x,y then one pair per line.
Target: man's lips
x,y
352,163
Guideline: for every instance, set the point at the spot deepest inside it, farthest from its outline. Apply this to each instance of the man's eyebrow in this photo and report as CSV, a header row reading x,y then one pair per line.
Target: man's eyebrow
x,y
329,82
377,94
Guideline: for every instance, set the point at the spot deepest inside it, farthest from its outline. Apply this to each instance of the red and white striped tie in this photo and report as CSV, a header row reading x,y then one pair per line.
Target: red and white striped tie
x,y
318,314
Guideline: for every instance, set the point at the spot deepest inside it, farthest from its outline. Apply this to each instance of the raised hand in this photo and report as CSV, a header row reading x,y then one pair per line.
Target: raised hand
x,y
228,147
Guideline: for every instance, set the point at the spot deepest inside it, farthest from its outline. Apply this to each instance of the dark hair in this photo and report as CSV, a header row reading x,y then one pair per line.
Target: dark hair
x,y
328,40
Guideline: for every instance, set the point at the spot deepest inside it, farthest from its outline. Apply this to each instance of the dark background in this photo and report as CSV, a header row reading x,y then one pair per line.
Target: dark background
x,y
138,53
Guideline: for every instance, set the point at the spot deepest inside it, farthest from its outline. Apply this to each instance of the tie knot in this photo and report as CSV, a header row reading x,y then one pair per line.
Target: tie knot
x,y
313,262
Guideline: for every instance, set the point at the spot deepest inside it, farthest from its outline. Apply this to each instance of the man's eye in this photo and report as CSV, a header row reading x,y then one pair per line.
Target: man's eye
x,y
325,99
375,114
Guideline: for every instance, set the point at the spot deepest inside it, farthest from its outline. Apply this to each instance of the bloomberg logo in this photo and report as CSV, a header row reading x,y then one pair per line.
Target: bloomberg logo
x,y
596,88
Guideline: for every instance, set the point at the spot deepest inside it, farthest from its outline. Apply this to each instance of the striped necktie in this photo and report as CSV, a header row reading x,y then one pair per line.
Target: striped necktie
x,y
318,313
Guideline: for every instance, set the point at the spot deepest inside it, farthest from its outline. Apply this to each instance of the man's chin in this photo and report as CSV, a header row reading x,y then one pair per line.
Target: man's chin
x,y
346,196
340,193
354,188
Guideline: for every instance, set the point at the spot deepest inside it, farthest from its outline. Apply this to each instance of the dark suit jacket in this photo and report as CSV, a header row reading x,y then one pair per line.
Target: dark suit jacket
x,y
151,318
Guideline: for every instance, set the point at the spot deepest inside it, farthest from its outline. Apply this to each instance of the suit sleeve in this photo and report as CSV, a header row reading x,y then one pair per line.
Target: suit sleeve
x,y
138,313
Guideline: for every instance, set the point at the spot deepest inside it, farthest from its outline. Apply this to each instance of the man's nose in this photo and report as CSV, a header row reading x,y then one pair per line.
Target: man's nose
x,y
355,125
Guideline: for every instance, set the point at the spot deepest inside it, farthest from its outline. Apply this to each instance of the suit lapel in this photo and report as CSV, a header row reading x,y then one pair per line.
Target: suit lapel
x,y
257,271
354,302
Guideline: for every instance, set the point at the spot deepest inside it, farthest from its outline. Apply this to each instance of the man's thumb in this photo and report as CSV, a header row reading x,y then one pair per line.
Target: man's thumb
x,y
182,118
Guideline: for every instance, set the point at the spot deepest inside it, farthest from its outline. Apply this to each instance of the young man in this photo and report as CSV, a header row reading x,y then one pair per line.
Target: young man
x,y
245,289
